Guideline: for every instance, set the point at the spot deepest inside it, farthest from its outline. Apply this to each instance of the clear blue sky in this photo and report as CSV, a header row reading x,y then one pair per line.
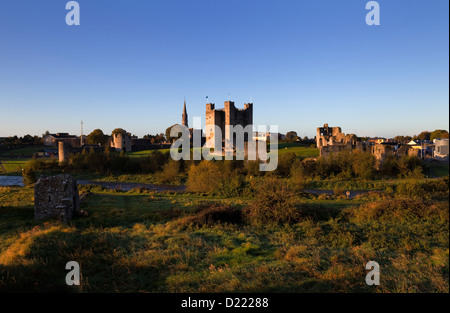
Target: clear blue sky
x,y
304,63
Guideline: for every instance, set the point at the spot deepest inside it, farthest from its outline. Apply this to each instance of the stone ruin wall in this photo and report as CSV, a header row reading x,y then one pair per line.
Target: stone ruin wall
x,y
332,140
56,197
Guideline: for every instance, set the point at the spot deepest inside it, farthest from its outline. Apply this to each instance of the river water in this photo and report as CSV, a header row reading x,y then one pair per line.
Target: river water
x,y
6,181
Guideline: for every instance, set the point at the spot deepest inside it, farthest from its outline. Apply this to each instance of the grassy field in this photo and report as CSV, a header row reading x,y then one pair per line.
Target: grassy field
x,y
144,153
299,150
28,151
282,148
147,242
14,160
438,169
13,166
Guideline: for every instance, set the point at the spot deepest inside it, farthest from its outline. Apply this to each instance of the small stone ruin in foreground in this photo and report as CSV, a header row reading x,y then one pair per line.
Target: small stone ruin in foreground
x,y
56,197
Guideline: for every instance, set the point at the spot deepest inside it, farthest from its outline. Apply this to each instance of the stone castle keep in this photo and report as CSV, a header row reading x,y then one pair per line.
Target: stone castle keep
x,y
229,115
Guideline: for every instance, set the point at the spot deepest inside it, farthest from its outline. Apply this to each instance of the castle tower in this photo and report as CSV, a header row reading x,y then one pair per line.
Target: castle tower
x,y
184,120
229,115
63,151
122,142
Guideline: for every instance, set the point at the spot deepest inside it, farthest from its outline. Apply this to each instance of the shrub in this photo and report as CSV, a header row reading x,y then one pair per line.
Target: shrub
x,y
411,166
205,177
285,162
298,179
425,190
29,176
274,202
155,162
338,191
390,167
35,165
363,164
233,186
400,210
170,172
252,167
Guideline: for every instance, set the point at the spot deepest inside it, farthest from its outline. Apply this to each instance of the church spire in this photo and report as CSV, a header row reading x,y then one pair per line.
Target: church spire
x,y
184,121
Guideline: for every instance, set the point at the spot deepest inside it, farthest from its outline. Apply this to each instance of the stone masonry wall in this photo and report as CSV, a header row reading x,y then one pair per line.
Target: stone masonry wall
x,y
56,197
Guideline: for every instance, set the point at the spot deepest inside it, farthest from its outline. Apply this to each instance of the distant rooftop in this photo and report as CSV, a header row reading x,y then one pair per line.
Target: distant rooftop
x,y
63,135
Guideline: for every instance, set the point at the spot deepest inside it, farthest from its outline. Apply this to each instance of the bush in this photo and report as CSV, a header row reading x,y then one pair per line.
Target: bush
x,y
298,179
234,186
338,191
411,166
29,176
252,167
363,164
275,203
205,177
426,190
399,210
155,162
170,173
30,169
390,167
285,162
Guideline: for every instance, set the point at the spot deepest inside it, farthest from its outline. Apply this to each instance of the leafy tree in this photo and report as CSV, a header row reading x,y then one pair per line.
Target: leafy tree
x,y
390,167
439,134
425,135
205,177
97,137
291,135
155,139
170,172
402,139
171,139
285,162
363,164
120,131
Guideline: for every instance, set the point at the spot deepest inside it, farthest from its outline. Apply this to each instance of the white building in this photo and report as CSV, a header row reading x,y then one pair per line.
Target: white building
x,y
441,147
261,136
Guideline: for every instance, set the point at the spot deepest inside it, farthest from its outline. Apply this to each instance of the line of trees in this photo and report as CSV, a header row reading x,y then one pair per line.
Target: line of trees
x,y
15,142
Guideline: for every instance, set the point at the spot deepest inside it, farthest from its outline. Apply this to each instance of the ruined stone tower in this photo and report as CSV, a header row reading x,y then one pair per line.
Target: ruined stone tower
x,y
56,197
121,141
332,139
229,115
64,150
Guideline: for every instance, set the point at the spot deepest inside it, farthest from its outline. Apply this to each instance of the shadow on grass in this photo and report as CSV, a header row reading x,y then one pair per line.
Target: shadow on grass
x,y
103,259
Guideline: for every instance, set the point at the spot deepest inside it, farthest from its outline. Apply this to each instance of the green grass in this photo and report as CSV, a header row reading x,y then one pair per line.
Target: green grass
x,y
27,151
438,169
282,148
301,151
144,153
13,166
143,241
